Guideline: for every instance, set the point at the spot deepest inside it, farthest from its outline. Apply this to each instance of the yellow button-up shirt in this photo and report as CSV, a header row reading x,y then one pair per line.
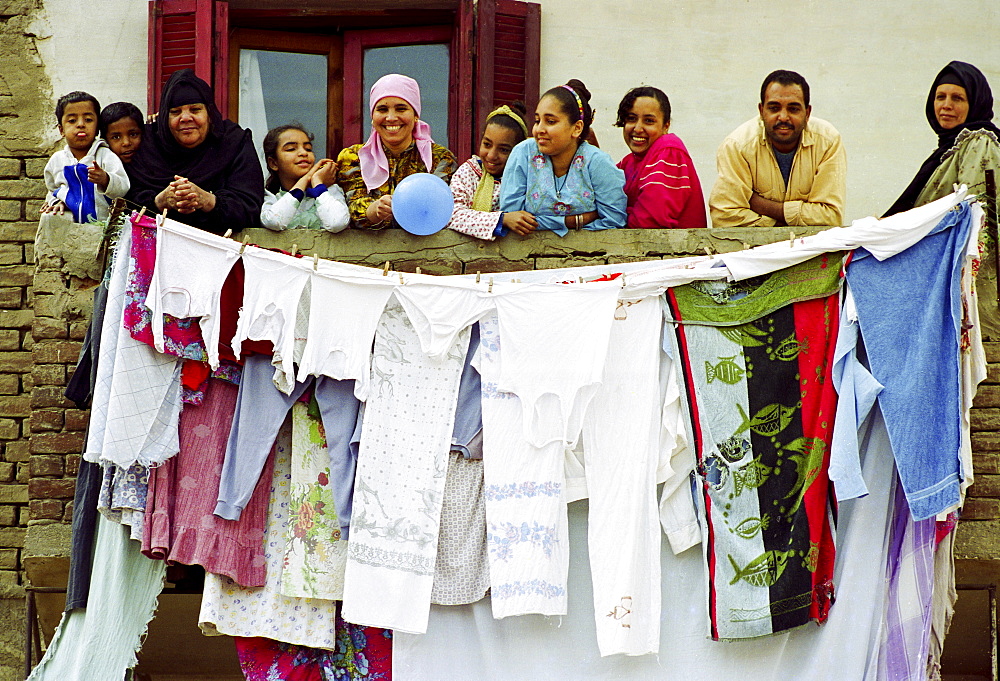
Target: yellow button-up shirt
x,y
816,185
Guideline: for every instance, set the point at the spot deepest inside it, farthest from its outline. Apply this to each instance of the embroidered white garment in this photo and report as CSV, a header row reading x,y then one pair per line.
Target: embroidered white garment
x,y
137,392
344,311
191,266
271,293
621,438
232,610
554,340
524,486
402,463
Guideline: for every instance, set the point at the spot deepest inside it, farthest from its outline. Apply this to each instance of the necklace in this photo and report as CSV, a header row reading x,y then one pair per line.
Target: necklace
x,y
555,182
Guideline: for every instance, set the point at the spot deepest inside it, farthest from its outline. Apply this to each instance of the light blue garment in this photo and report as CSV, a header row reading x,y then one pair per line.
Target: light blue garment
x,y
467,436
260,410
857,389
909,309
593,182
99,642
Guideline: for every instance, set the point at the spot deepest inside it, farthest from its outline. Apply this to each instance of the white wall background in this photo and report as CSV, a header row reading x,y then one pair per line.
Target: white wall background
x,y
869,66
98,46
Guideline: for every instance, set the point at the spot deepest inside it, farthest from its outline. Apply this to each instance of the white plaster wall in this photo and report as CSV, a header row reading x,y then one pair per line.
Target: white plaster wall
x,y
99,46
869,66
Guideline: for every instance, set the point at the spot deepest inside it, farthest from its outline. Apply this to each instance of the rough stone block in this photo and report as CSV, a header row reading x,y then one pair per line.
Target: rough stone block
x,y
439,267
11,167
17,406
49,374
22,474
67,516
45,509
985,462
986,420
15,362
72,465
13,494
42,465
11,297
48,396
45,420
23,232
487,265
55,306
547,263
981,509
34,167
12,537
992,349
43,488
992,374
987,396
11,254
8,516
10,210
10,340
8,559
10,429
78,330
15,275
49,282
77,419
10,384
33,211
986,486
6,471
22,189
979,539
56,352
57,443
47,328
16,452
16,319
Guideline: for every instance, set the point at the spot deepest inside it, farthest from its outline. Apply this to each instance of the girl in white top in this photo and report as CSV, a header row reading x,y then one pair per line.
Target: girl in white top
x,y
299,191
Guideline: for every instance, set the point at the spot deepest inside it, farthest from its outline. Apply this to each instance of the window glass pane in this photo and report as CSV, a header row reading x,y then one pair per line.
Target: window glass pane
x,y
277,88
428,65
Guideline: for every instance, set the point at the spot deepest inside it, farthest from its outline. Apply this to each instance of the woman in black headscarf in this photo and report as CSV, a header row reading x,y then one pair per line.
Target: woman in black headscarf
x,y
201,168
960,110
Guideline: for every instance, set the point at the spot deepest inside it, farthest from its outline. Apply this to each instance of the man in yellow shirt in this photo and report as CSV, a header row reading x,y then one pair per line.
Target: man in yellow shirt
x,y
783,167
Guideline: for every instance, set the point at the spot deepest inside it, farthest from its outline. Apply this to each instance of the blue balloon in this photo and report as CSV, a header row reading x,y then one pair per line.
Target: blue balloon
x,y
422,204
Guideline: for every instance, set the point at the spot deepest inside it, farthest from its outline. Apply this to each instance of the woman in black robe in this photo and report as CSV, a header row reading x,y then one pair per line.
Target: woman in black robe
x,y
199,167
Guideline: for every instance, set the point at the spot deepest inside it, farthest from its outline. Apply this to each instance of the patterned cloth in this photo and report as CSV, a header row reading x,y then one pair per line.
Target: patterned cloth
x,y
362,654
465,219
407,163
399,485
757,359
315,556
462,569
122,498
231,610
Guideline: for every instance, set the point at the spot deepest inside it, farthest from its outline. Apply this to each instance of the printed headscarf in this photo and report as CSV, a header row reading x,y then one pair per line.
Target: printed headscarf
x,y
374,164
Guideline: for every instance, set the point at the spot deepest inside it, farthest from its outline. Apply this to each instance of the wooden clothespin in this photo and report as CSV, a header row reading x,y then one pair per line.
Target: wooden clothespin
x,y
141,213
401,282
418,270
579,280
709,252
315,262
295,249
490,289
246,240
478,274
385,269
791,239
229,233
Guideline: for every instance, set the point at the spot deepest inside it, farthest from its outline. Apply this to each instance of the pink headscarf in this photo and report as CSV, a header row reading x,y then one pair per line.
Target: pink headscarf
x,y
374,164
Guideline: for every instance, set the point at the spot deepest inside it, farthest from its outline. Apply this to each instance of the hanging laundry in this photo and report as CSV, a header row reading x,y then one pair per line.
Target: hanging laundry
x,y
315,553
757,360
909,311
402,464
180,525
122,497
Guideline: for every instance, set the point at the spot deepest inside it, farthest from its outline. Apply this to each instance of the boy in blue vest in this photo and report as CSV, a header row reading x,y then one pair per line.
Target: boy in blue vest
x,y
85,176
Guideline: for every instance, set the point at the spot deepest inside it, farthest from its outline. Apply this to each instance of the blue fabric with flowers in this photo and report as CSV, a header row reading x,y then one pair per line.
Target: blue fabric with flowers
x,y
593,182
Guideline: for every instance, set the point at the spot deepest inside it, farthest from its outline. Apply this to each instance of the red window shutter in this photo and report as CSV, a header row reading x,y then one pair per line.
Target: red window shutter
x,y
188,34
508,55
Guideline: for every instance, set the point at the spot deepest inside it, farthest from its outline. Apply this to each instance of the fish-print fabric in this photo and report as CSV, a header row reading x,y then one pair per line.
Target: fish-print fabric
x,y
757,360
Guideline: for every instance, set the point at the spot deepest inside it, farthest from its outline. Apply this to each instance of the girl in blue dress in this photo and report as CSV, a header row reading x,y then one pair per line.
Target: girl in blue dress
x,y
562,181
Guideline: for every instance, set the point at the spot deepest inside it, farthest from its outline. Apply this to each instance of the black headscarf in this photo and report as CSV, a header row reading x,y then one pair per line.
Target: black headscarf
x,y
225,163
977,90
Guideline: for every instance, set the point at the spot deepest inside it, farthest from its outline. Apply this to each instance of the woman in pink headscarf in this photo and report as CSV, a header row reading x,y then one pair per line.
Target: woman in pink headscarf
x,y
400,145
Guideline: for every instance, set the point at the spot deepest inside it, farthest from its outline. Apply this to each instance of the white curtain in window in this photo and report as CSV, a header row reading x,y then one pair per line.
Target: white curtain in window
x,y
252,112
